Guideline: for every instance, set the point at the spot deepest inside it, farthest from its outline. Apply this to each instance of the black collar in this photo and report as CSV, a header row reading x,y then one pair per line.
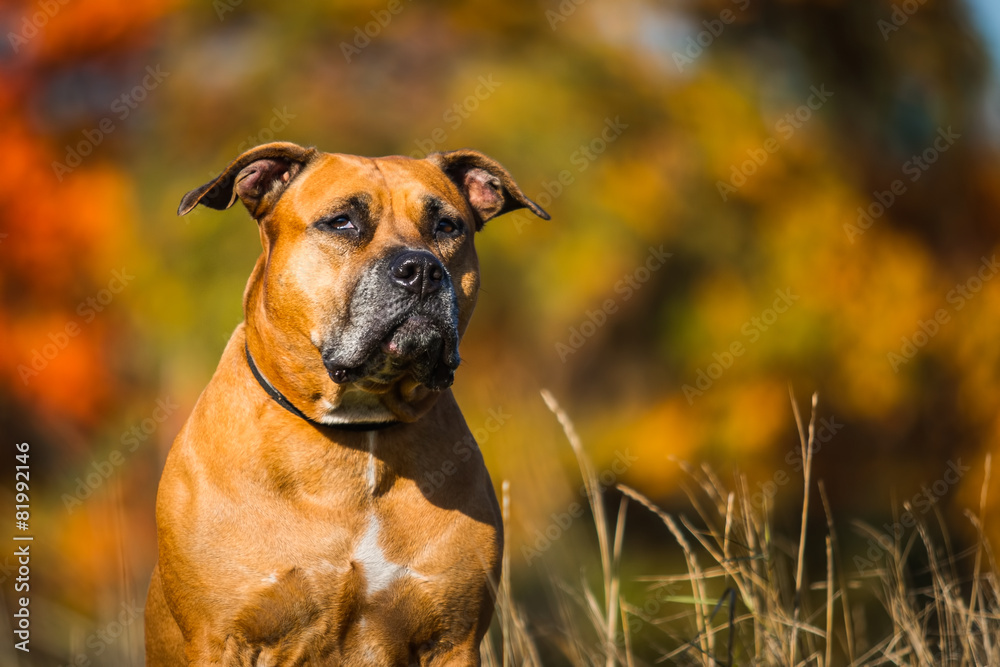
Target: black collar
x,y
281,400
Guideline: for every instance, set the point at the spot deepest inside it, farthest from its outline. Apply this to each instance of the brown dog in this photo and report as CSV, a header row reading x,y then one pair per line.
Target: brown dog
x,y
295,526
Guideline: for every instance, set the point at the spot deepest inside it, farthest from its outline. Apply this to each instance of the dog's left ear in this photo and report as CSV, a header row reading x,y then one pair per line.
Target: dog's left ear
x,y
488,187
256,177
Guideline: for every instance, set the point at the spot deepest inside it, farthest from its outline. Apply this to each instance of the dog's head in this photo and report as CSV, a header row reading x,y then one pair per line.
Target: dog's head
x,y
369,273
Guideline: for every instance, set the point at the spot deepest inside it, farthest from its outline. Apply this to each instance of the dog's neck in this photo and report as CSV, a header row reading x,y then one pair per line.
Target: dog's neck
x,y
284,402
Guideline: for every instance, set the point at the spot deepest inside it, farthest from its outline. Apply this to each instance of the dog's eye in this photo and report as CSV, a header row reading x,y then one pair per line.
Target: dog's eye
x,y
337,223
447,226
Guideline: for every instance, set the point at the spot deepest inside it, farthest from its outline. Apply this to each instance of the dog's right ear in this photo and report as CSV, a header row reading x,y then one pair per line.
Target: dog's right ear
x,y
487,185
257,177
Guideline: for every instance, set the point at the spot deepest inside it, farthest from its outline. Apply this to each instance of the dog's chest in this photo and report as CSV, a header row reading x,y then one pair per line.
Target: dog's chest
x,y
394,576
379,571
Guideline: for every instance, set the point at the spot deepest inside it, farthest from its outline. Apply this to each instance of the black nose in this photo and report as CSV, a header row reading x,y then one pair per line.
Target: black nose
x,y
417,272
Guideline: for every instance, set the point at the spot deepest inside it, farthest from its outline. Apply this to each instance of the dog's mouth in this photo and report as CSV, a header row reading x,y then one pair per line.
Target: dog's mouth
x,y
418,346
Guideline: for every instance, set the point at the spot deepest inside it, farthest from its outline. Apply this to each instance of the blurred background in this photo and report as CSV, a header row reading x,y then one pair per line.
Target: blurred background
x,y
746,195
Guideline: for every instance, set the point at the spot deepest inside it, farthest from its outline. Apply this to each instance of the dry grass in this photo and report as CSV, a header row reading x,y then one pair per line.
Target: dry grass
x,y
745,597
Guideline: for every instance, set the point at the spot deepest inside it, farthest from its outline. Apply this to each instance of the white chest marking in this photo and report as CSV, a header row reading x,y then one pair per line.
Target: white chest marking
x,y
379,571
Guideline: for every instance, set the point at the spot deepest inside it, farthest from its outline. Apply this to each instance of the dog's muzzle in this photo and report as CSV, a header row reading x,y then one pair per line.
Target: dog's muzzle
x,y
403,319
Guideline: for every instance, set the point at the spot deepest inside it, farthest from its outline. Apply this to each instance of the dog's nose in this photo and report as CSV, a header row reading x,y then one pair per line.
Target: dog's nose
x,y
417,272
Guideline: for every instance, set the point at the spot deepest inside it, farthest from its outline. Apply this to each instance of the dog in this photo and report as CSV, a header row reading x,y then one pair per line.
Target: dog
x,y
292,526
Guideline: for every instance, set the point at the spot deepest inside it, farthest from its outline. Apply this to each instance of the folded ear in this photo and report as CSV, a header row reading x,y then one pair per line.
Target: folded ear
x,y
257,177
488,187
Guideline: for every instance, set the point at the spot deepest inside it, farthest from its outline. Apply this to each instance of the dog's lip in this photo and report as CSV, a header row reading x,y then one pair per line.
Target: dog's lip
x,y
367,371
343,371
388,343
